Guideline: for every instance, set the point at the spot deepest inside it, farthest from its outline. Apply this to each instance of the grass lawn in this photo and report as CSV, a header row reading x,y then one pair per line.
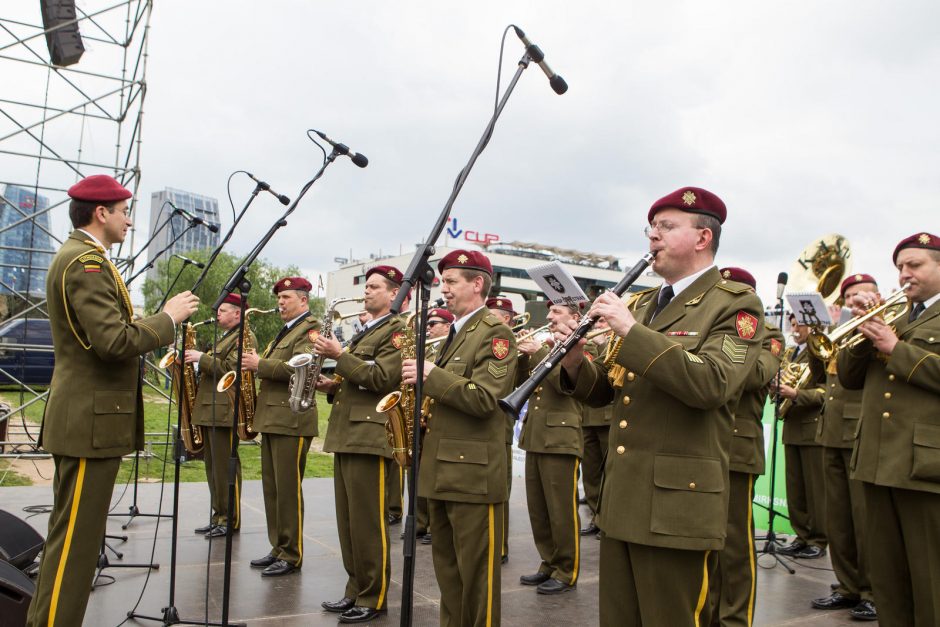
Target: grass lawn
x,y
11,477
157,418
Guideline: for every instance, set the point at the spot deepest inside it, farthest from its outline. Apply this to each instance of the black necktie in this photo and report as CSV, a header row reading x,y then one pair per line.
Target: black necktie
x,y
916,311
280,335
450,338
665,295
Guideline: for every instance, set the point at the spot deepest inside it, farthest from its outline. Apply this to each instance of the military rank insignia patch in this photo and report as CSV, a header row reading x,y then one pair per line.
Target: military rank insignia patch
x,y
734,351
695,359
496,370
775,347
746,324
312,335
500,348
398,339
91,262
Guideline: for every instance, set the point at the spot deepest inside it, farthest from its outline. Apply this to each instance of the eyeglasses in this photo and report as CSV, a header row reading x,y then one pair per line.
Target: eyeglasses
x,y
665,227
431,323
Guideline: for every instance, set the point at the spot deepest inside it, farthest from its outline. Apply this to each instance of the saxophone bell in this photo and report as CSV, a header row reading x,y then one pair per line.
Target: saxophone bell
x,y
396,430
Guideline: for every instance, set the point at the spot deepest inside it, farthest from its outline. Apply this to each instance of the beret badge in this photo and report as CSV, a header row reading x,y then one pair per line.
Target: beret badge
x,y
689,198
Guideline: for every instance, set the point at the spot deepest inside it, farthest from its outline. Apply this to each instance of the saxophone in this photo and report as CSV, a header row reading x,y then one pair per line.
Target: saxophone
x,y
194,439
307,366
248,397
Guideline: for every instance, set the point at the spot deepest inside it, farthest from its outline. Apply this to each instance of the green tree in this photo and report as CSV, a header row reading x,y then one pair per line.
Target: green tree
x,y
262,274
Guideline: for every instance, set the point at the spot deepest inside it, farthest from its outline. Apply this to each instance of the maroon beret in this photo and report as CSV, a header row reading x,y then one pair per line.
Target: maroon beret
x,y
292,283
234,299
467,259
443,314
99,188
691,200
918,240
501,303
391,273
740,275
855,279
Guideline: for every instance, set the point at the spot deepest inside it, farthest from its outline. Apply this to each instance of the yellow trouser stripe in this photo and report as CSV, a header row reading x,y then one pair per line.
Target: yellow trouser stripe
x,y
574,521
750,549
73,516
382,521
300,509
703,593
490,558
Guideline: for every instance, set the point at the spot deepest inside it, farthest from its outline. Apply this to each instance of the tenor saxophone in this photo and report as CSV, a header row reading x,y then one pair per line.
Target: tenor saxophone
x,y
185,386
248,397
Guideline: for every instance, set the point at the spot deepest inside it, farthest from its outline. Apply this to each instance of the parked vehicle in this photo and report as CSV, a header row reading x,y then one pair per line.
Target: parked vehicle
x,y
26,352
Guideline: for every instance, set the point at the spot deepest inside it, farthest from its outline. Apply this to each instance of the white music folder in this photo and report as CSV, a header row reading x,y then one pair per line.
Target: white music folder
x,y
558,284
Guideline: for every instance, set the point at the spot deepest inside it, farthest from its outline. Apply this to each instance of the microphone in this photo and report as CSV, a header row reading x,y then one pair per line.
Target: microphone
x,y
555,80
191,262
358,158
781,284
284,200
194,219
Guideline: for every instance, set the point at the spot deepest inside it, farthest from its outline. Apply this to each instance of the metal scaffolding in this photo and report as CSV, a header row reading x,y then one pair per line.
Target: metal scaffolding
x,y
58,125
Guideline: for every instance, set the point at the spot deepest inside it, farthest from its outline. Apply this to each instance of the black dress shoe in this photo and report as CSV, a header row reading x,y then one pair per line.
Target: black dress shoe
x,y
504,559
809,552
793,547
534,580
338,606
278,568
582,501
834,601
217,531
834,586
590,530
865,610
553,586
204,529
426,538
392,520
358,614
263,562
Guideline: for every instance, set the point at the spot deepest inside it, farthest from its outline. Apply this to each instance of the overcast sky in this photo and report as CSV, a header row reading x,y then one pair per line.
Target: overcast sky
x,y
807,118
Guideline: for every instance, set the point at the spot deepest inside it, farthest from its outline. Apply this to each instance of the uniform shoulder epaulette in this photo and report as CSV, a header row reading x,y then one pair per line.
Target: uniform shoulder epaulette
x,y
491,320
636,296
733,286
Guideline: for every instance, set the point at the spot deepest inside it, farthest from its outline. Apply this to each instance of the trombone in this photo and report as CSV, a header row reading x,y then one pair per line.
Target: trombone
x,y
825,345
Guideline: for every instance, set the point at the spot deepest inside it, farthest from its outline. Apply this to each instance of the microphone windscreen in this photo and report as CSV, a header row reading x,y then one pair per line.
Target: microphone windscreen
x,y
284,199
558,84
213,227
782,278
360,160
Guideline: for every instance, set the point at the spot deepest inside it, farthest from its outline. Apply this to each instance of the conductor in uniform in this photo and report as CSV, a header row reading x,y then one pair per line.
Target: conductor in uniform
x,y
463,463
897,450
95,411
687,348
370,368
213,411
285,434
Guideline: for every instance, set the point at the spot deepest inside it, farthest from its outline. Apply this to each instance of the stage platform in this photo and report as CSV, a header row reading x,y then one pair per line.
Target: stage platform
x,y
294,600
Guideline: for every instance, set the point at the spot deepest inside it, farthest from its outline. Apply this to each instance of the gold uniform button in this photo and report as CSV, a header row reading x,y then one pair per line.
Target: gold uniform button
x,y
621,450
630,376
623,424
538,398
930,339
626,400
461,457
832,385
887,394
887,414
692,485
117,408
563,422
830,398
735,430
890,377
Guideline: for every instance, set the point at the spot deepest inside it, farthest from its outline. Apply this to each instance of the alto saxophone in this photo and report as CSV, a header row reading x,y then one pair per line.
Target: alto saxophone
x,y
307,366
193,436
248,397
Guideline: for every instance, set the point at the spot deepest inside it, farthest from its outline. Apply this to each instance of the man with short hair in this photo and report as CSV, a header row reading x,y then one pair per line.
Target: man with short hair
x,y
686,350
95,412
285,434
370,368
463,463
897,450
213,411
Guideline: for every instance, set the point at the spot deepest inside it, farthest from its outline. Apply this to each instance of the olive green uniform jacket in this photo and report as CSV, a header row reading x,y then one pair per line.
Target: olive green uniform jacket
x,y
212,365
802,419
665,481
95,406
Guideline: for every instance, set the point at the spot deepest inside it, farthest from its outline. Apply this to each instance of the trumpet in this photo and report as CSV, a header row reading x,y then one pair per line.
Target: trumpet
x,y
825,345
518,322
528,335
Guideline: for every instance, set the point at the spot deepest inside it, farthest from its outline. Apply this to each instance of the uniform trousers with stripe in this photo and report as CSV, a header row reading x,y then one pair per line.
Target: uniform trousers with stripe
x,y
733,587
650,586
218,450
551,488
362,523
806,493
505,550
845,524
283,460
902,539
82,490
466,556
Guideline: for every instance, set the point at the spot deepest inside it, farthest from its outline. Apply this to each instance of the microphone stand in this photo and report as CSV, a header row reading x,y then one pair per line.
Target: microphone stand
x,y
420,274
150,263
170,613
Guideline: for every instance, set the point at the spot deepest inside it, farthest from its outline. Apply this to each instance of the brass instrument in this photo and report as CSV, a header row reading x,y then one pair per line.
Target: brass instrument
x,y
527,335
307,366
185,386
794,375
338,317
825,345
821,267
517,323
248,397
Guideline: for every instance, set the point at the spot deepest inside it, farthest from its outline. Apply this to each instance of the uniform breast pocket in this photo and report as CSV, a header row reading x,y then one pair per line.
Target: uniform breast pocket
x,y
457,367
744,448
114,423
561,430
687,499
462,466
926,464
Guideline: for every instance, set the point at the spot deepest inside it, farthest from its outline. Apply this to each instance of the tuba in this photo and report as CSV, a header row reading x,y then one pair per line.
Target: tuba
x,y
821,267
307,366
184,387
248,397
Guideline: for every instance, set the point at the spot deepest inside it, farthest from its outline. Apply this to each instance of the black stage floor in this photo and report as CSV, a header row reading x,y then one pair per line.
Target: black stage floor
x,y
294,600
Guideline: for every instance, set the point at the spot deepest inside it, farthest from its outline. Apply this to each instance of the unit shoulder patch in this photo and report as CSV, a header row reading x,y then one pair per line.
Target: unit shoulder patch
x,y
398,339
312,335
733,350
91,262
500,348
746,325
776,347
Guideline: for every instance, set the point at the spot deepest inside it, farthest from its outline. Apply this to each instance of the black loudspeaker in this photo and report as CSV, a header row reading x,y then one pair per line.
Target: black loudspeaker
x,y
19,543
65,42
16,592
